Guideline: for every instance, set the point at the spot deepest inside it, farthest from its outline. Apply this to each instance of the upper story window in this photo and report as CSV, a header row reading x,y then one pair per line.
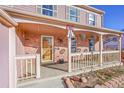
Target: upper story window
x,y
91,19
72,14
49,10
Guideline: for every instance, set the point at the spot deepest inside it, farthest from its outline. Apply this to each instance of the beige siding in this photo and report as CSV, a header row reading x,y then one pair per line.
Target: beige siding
x,y
4,56
29,8
82,17
98,21
61,13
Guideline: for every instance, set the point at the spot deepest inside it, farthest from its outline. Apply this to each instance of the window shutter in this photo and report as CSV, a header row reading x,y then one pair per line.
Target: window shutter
x,y
78,15
67,12
55,10
39,9
87,17
95,20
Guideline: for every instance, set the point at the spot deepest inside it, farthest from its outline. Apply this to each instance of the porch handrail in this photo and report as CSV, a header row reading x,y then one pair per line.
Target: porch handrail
x,y
114,51
27,62
89,59
86,59
25,56
85,53
111,56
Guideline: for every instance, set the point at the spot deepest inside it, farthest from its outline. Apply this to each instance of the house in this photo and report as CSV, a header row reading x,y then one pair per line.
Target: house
x,y
122,54
42,40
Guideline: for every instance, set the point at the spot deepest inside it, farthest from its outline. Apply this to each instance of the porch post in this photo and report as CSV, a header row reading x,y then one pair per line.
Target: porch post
x,y
101,49
120,40
37,65
12,62
69,54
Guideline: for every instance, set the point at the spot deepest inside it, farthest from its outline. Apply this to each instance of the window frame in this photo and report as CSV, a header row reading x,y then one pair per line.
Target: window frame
x,y
69,15
93,20
54,11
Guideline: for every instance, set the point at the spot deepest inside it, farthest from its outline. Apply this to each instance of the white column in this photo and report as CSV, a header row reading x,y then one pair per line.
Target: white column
x,y
101,49
38,66
69,54
120,40
12,54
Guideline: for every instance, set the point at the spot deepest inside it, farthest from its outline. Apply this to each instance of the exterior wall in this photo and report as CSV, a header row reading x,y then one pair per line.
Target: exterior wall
x,y
4,56
29,8
83,17
61,13
83,45
32,43
122,41
19,43
98,21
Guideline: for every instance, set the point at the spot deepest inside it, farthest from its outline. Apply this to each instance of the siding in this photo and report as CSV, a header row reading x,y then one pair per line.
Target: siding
x,y
61,13
29,8
4,56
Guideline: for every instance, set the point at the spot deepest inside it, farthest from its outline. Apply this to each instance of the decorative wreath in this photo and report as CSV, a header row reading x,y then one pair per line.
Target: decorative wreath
x,y
62,51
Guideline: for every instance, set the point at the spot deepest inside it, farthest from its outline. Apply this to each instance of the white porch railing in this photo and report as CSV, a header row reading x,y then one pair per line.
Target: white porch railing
x,y
111,56
27,66
83,60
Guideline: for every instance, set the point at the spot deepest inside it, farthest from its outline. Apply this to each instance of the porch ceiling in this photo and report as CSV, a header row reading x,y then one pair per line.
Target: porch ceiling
x,y
41,29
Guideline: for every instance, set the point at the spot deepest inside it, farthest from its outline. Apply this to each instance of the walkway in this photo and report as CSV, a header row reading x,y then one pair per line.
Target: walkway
x,y
54,83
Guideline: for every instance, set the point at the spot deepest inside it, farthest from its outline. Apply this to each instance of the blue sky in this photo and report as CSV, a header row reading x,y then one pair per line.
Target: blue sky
x,y
114,16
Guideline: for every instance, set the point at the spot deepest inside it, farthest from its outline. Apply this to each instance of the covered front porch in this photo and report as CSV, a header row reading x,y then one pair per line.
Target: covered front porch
x,y
45,51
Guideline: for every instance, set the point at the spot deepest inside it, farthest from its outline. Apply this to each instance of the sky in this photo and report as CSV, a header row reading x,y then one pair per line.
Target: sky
x,y
113,17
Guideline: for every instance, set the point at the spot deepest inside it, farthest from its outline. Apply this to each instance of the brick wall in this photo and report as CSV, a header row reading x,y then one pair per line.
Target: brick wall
x,y
32,44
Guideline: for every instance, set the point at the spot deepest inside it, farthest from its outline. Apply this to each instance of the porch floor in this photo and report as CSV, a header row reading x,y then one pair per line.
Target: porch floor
x,y
50,72
53,70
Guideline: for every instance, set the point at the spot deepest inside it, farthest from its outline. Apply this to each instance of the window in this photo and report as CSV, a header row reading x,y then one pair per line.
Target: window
x,y
91,19
72,14
73,45
91,43
49,10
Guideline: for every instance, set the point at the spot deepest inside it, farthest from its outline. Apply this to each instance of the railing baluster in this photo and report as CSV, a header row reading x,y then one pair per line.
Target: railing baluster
x,y
31,67
85,61
21,63
26,67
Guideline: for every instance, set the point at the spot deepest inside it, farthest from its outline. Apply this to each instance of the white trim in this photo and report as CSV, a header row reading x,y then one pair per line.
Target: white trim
x,y
115,51
62,27
120,46
8,18
26,56
53,11
12,54
101,50
69,54
38,66
84,53
29,21
42,61
103,33
85,10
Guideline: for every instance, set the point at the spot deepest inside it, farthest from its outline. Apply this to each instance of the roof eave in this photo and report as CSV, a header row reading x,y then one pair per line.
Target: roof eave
x,y
32,16
6,19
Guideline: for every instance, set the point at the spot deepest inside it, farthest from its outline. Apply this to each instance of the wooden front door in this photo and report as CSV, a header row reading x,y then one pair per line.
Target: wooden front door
x,y
46,49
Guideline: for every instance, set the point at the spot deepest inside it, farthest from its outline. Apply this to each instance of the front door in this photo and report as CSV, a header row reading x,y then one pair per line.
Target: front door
x,y
46,49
